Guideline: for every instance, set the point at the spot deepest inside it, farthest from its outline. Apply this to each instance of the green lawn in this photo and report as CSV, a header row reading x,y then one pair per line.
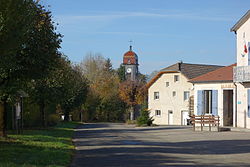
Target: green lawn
x,y
35,148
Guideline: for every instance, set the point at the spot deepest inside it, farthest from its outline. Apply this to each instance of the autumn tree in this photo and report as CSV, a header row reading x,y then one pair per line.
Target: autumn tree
x,y
103,102
132,93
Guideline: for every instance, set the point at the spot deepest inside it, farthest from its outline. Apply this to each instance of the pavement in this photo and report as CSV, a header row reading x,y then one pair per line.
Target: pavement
x,y
121,145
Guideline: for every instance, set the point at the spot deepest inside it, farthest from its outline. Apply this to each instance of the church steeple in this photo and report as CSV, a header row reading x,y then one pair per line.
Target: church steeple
x,y
130,62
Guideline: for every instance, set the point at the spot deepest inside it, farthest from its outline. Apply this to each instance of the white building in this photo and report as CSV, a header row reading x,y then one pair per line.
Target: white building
x,y
242,71
214,94
169,93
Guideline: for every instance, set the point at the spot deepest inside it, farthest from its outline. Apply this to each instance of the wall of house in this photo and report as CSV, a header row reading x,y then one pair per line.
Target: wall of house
x,y
166,100
243,119
214,86
243,35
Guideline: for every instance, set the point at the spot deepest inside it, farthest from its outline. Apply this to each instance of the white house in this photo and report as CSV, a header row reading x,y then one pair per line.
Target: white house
x,y
242,71
214,94
169,93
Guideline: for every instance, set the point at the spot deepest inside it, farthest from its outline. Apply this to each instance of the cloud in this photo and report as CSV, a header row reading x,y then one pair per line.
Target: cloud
x,y
120,15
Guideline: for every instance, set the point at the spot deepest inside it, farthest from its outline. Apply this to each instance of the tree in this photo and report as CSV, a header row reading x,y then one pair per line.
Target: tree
x,y
28,48
144,118
74,89
121,73
103,102
132,93
47,90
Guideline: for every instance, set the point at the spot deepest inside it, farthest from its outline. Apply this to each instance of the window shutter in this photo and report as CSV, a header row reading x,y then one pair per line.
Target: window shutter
x,y
200,102
248,103
215,102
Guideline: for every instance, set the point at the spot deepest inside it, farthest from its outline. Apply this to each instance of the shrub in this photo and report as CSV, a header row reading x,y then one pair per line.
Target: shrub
x,y
144,119
53,119
131,122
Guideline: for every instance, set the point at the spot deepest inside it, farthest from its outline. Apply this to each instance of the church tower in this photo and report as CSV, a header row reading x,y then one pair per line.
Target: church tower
x,y
130,62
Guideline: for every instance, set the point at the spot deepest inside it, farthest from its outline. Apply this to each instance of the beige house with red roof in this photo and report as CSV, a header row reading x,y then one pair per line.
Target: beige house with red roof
x,y
214,94
169,93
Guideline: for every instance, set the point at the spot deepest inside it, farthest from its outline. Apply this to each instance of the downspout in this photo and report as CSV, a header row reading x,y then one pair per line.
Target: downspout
x,y
235,105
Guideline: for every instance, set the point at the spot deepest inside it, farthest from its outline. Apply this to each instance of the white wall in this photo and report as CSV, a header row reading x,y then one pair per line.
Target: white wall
x,y
242,106
166,101
245,28
214,86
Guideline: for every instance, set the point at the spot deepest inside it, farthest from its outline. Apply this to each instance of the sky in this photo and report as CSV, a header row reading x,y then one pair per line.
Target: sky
x,y
163,31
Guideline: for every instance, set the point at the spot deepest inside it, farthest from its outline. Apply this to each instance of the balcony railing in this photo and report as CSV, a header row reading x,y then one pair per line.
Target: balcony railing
x,y
241,74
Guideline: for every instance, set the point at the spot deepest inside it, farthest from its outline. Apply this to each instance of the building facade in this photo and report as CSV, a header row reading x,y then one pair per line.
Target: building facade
x,y
170,93
242,71
214,94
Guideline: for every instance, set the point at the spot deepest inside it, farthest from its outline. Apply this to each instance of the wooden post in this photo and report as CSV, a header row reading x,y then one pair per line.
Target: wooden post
x,y
209,121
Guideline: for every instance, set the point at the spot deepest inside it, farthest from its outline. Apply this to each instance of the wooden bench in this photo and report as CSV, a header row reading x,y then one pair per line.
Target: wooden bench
x,y
205,122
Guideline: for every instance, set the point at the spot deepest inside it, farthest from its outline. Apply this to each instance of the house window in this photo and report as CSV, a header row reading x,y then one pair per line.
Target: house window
x,y
167,84
208,101
174,93
156,95
186,95
176,78
158,112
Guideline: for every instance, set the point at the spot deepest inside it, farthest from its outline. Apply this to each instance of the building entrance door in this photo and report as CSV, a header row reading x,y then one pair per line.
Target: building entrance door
x,y
184,118
170,118
228,108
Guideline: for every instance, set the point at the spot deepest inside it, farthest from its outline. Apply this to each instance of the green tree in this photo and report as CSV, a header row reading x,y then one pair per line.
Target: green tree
x,y
74,90
121,73
28,48
47,90
144,119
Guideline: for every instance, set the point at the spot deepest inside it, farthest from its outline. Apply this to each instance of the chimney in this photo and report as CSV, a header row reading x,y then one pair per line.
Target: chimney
x,y
179,65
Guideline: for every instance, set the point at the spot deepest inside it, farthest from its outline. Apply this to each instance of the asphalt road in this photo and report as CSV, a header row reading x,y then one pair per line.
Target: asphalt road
x,y
109,145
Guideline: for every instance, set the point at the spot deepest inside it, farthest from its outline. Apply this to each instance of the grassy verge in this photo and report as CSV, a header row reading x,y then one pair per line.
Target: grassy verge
x,y
36,148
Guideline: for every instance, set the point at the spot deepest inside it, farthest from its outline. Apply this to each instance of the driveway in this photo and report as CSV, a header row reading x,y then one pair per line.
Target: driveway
x,y
111,144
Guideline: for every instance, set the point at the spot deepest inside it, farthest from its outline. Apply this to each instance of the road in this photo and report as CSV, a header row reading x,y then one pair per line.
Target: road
x,y
113,144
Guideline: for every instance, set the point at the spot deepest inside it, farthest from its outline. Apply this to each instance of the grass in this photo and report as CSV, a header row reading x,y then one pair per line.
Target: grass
x,y
38,148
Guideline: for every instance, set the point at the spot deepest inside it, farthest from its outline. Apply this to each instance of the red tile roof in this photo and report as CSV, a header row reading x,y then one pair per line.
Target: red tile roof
x,y
130,57
224,74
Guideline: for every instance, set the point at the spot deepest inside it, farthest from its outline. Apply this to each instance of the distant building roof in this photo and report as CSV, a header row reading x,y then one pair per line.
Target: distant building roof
x,y
241,22
188,70
224,74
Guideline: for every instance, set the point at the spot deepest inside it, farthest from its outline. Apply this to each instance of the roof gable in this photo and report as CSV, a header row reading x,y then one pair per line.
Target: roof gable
x,y
241,22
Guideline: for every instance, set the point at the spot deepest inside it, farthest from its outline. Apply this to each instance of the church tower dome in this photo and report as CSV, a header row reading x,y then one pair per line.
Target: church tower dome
x,y
130,57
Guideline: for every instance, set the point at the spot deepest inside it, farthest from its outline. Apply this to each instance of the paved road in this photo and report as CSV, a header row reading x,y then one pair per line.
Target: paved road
x,y
109,145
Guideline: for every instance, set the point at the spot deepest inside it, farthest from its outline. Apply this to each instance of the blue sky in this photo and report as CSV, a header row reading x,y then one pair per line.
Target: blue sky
x,y
163,31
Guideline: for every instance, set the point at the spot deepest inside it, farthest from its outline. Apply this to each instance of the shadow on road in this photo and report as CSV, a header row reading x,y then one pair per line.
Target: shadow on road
x,y
106,147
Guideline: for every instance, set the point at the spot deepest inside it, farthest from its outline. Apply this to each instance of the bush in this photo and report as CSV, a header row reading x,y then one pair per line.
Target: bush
x,y
53,119
144,119
131,122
